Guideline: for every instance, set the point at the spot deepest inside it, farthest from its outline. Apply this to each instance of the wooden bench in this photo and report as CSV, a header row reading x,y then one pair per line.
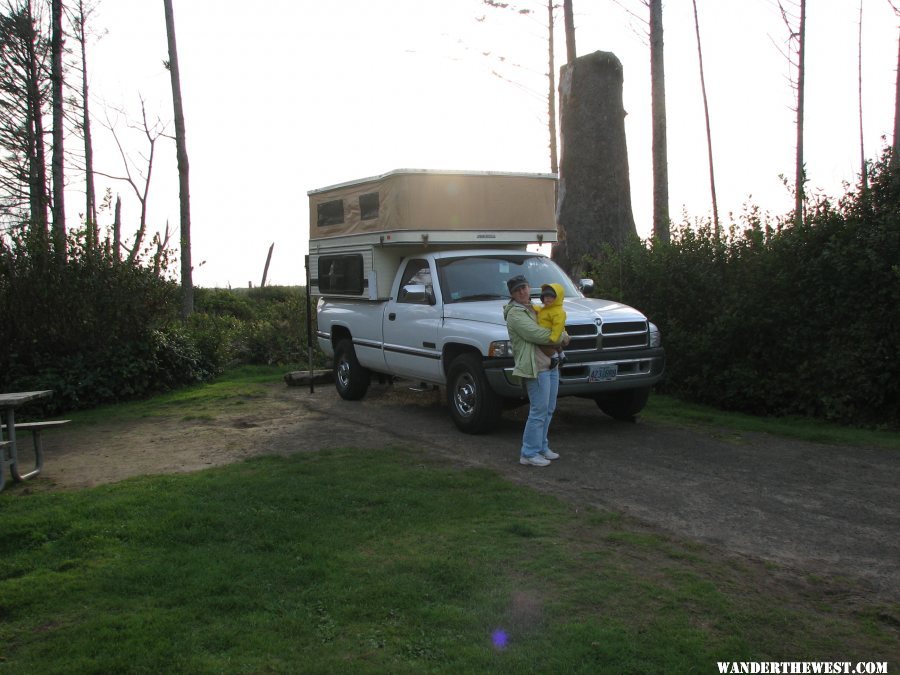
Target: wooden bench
x,y
35,428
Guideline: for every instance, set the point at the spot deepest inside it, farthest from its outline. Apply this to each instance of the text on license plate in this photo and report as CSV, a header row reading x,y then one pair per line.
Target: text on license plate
x,y
603,373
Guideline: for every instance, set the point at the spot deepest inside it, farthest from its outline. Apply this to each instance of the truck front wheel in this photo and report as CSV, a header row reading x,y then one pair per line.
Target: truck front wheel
x,y
623,405
474,407
350,379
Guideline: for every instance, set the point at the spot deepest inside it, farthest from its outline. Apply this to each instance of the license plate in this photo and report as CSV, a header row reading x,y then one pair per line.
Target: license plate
x,y
603,373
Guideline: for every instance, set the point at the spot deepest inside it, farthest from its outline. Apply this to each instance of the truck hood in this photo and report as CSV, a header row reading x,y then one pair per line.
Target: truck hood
x,y
578,311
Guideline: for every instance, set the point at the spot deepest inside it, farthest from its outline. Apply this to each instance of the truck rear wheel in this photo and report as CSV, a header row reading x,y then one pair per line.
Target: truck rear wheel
x,y
623,405
350,379
474,407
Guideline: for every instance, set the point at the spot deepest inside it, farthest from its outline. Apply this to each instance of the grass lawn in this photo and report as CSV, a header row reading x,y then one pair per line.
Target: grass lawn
x,y
672,410
235,387
386,561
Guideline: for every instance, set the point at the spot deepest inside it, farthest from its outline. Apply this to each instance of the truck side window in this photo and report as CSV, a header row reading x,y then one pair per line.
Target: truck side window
x,y
417,273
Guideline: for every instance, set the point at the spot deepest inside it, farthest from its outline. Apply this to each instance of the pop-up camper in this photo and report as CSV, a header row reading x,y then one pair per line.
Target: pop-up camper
x,y
360,230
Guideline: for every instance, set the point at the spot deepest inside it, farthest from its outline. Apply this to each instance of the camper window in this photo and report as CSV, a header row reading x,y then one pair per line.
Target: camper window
x,y
341,274
368,206
330,213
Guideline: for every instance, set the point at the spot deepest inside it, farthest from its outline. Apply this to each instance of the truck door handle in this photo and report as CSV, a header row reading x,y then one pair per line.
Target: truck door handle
x,y
391,316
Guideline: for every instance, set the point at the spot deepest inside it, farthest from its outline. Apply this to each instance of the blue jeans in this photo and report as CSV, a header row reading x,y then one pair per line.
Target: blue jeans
x,y
542,392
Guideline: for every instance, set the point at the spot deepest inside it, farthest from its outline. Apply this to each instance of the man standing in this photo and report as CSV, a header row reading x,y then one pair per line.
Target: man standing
x,y
531,364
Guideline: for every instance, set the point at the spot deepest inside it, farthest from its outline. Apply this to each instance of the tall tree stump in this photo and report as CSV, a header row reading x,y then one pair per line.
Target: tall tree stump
x,y
594,204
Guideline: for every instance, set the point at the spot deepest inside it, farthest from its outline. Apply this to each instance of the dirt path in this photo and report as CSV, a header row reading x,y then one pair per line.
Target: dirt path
x,y
811,508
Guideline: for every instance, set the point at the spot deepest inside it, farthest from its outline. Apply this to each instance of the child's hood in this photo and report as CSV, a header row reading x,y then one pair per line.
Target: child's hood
x,y
558,289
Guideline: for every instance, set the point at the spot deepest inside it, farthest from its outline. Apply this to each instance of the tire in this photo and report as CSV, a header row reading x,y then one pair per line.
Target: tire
x,y
474,407
350,379
623,405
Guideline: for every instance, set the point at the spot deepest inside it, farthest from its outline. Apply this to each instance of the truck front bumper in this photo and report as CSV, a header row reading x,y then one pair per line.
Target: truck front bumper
x,y
634,369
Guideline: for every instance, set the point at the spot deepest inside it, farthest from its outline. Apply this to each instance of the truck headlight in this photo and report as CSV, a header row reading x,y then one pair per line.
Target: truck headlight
x,y
655,336
500,348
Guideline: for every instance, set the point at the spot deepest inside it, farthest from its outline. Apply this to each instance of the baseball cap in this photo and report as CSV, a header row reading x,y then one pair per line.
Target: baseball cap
x,y
516,283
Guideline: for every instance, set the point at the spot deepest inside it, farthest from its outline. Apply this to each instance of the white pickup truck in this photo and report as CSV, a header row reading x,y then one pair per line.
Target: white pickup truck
x,y
438,318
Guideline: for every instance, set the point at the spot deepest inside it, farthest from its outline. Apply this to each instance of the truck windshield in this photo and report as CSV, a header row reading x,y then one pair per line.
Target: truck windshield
x,y
483,277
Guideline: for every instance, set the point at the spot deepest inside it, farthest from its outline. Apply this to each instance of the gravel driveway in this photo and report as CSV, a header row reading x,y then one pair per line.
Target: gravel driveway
x,y
813,509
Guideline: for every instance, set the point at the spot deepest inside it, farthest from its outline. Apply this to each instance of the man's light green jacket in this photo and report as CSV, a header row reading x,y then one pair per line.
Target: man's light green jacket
x,y
524,333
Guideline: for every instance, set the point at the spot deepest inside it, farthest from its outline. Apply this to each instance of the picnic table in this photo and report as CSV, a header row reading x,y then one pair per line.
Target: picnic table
x,y
8,449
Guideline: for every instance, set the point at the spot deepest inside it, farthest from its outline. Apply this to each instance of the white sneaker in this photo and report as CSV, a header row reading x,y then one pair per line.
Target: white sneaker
x,y
549,454
537,460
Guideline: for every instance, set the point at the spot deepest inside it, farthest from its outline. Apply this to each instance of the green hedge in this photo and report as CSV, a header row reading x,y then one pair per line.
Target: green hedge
x,y
261,326
779,320
96,330
89,327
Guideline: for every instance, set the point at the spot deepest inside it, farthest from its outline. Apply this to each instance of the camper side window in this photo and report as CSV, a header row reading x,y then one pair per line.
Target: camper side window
x,y
368,206
341,274
415,284
330,213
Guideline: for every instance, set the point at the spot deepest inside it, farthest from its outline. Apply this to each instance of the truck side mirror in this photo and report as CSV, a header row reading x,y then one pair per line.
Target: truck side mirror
x,y
585,285
417,294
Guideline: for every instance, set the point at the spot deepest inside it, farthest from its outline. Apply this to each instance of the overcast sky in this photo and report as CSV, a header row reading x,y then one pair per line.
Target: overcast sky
x,y
294,95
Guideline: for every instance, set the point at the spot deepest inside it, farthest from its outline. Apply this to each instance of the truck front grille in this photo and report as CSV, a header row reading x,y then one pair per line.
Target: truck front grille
x,y
608,336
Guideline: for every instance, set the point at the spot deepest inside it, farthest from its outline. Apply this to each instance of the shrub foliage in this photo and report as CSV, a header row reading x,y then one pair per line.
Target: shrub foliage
x,y
779,320
95,329
89,327
261,326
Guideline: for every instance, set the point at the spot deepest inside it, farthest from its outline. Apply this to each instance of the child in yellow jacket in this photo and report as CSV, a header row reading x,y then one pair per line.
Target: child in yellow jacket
x,y
552,315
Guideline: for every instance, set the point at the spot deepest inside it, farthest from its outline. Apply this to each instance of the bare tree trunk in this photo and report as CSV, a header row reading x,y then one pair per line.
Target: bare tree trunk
x,y
800,191
658,104
551,95
895,155
594,189
556,250
569,21
798,35
117,230
90,205
37,170
712,173
152,135
58,167
141,192
266,268
187,284
864,178
161,244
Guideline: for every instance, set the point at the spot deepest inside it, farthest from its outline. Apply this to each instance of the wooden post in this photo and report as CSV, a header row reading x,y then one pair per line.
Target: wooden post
x,y
312,386
266,269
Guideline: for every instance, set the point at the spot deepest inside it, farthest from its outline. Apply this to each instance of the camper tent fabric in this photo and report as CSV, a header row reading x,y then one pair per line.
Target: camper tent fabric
x,y
425,201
